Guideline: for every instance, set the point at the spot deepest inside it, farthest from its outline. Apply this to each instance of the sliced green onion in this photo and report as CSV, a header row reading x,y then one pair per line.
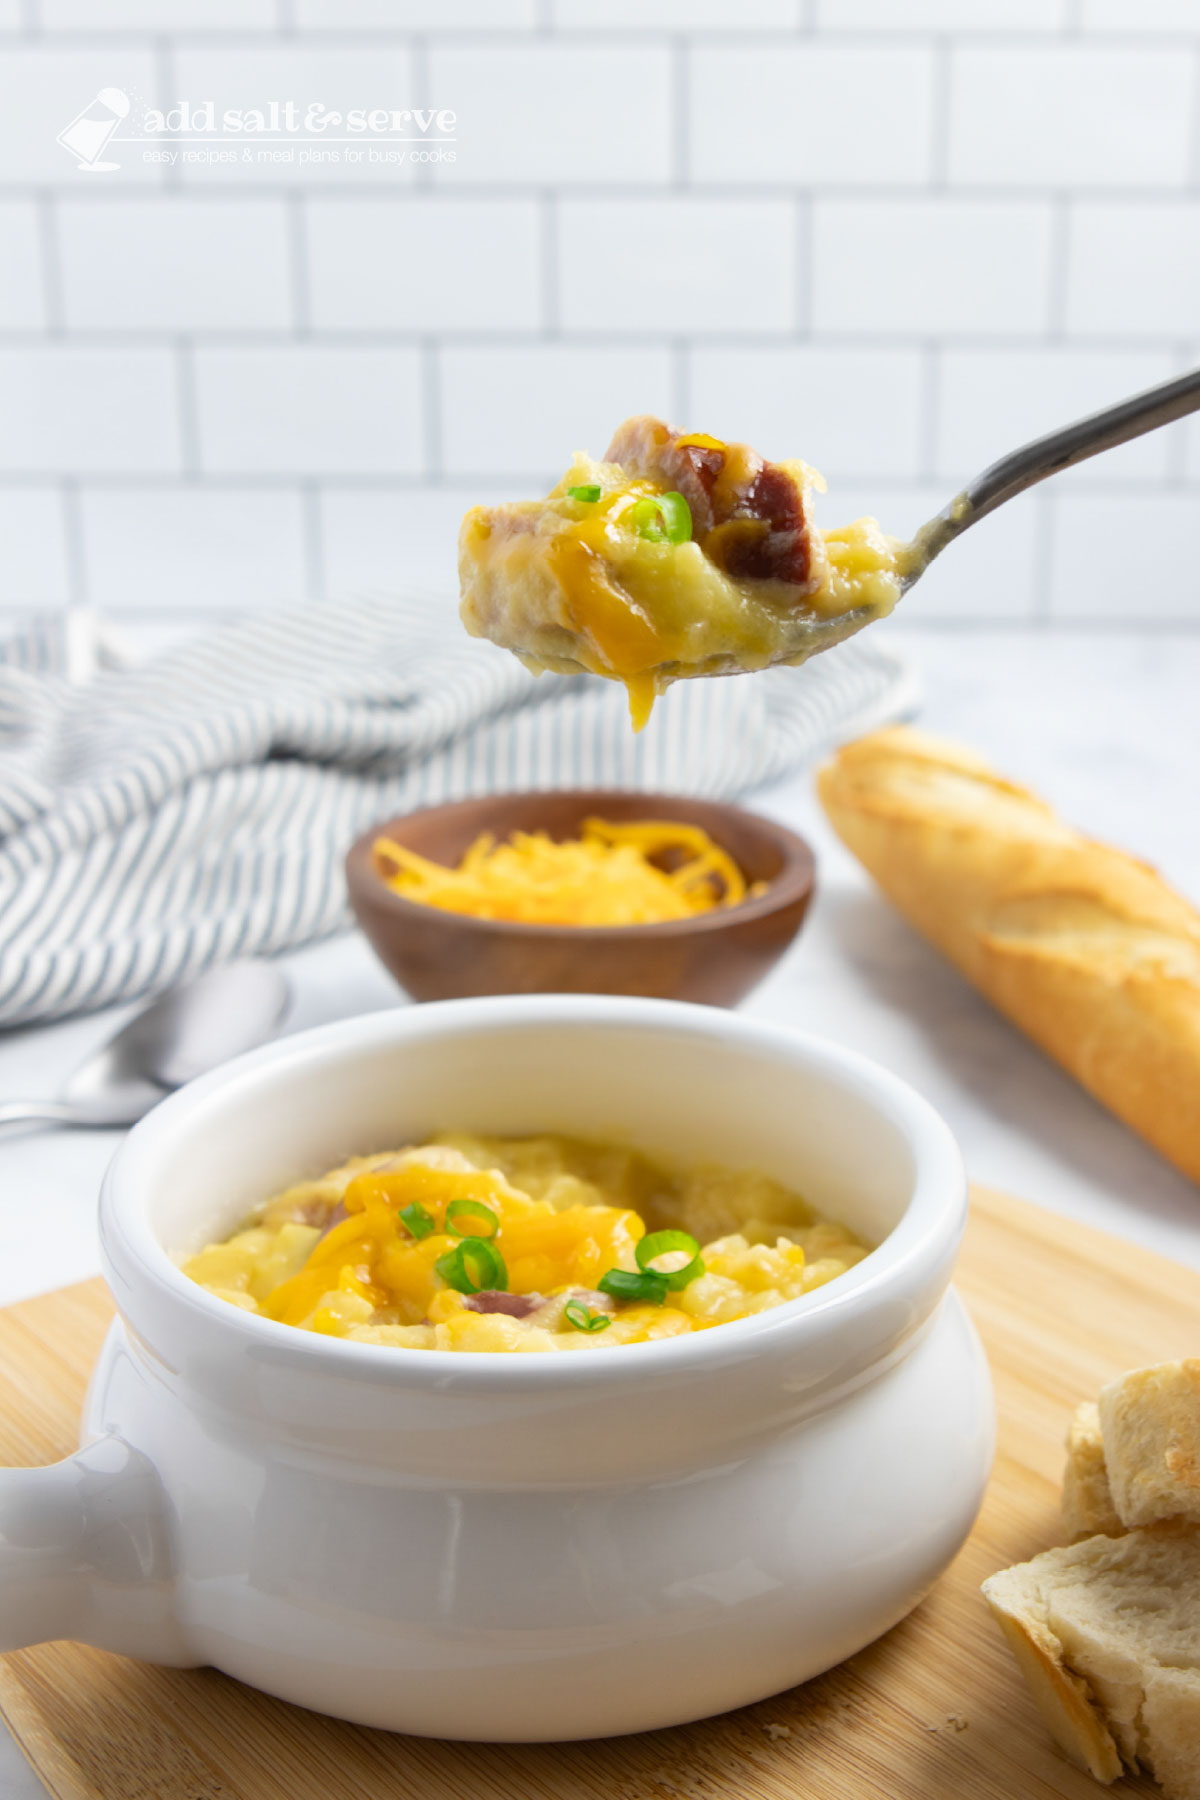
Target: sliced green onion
x,y
667,1243
472,1266
588,493
471,1218
667,519
419,1220
631,1284
583,1318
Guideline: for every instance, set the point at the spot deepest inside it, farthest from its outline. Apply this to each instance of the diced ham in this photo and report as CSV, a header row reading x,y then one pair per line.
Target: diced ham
x,y
494,1300
748,515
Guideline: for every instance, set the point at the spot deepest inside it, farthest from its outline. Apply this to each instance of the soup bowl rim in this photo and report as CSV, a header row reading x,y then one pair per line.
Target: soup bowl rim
x,y
901,1271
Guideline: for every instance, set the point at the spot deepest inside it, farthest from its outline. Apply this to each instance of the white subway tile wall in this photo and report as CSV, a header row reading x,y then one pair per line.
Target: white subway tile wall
x,y
503,406
307,409
34,555
933,266
893,237
146,265
1133,268
22,291
850,412
420,264
93,410
677,266
844,115
1089,577
198,549
1075,117
990,401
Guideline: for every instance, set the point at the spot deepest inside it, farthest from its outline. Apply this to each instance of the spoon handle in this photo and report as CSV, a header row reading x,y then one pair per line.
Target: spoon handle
x,y
37,1112
1048,455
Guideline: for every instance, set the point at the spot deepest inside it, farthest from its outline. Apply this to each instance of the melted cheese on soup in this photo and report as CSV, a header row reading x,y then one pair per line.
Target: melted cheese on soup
x,y
523,1244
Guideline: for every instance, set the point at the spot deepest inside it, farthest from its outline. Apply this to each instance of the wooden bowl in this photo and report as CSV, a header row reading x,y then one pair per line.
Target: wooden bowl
x,y
715,957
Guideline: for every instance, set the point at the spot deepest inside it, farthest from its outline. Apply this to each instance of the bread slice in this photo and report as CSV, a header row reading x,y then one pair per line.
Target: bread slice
x,y
1087,1504
1150,1421
1107,1636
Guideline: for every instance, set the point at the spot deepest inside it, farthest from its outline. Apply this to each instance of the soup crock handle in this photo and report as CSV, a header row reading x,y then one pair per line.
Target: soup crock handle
x,y
84,1554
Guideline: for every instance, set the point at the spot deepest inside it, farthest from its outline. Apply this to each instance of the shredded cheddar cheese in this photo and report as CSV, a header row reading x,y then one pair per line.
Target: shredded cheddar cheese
x,y
367,1251
634,874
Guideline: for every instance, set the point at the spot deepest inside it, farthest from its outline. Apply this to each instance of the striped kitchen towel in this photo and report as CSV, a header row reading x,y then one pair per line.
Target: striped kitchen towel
x,y
156,819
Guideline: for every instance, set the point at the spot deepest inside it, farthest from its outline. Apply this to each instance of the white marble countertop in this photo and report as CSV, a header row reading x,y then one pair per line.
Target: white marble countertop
x,y
1104,725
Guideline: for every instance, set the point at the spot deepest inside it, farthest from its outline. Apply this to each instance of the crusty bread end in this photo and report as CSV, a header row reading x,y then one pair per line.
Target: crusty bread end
x,y
1063,1698
1150,1421
1087,1505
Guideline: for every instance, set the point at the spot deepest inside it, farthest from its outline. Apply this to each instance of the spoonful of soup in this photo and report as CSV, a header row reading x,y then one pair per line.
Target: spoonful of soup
x,y
680,555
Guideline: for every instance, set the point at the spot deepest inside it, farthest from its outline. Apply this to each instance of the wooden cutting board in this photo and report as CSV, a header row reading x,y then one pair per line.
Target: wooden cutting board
x,y
934,1709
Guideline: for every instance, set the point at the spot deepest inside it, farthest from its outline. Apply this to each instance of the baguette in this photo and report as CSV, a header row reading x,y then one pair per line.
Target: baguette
x,y
1084,948
1087,1503
1107,1635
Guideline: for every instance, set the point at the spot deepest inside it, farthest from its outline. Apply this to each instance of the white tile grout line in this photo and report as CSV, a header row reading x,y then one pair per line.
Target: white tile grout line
x,y
51,264
127,338
735,192
633,37
30,22
285,18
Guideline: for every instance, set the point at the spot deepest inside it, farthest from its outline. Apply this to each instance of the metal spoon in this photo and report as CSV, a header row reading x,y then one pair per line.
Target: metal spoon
x,y
1002,481
1047,456
186,1031
803,634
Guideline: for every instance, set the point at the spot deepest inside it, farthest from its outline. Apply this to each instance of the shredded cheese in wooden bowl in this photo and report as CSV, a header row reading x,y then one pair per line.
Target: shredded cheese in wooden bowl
x,y
639,873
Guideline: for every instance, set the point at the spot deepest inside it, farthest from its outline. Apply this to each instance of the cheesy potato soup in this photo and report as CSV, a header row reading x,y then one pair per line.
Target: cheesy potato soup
x,y
521,1244
678,555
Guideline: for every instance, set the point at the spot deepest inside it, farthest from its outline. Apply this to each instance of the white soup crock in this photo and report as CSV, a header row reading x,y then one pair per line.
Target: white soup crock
x,y
516,1547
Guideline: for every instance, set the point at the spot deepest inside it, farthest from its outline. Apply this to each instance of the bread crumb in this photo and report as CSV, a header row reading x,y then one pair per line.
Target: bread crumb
x,y
952,1722
775,1732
